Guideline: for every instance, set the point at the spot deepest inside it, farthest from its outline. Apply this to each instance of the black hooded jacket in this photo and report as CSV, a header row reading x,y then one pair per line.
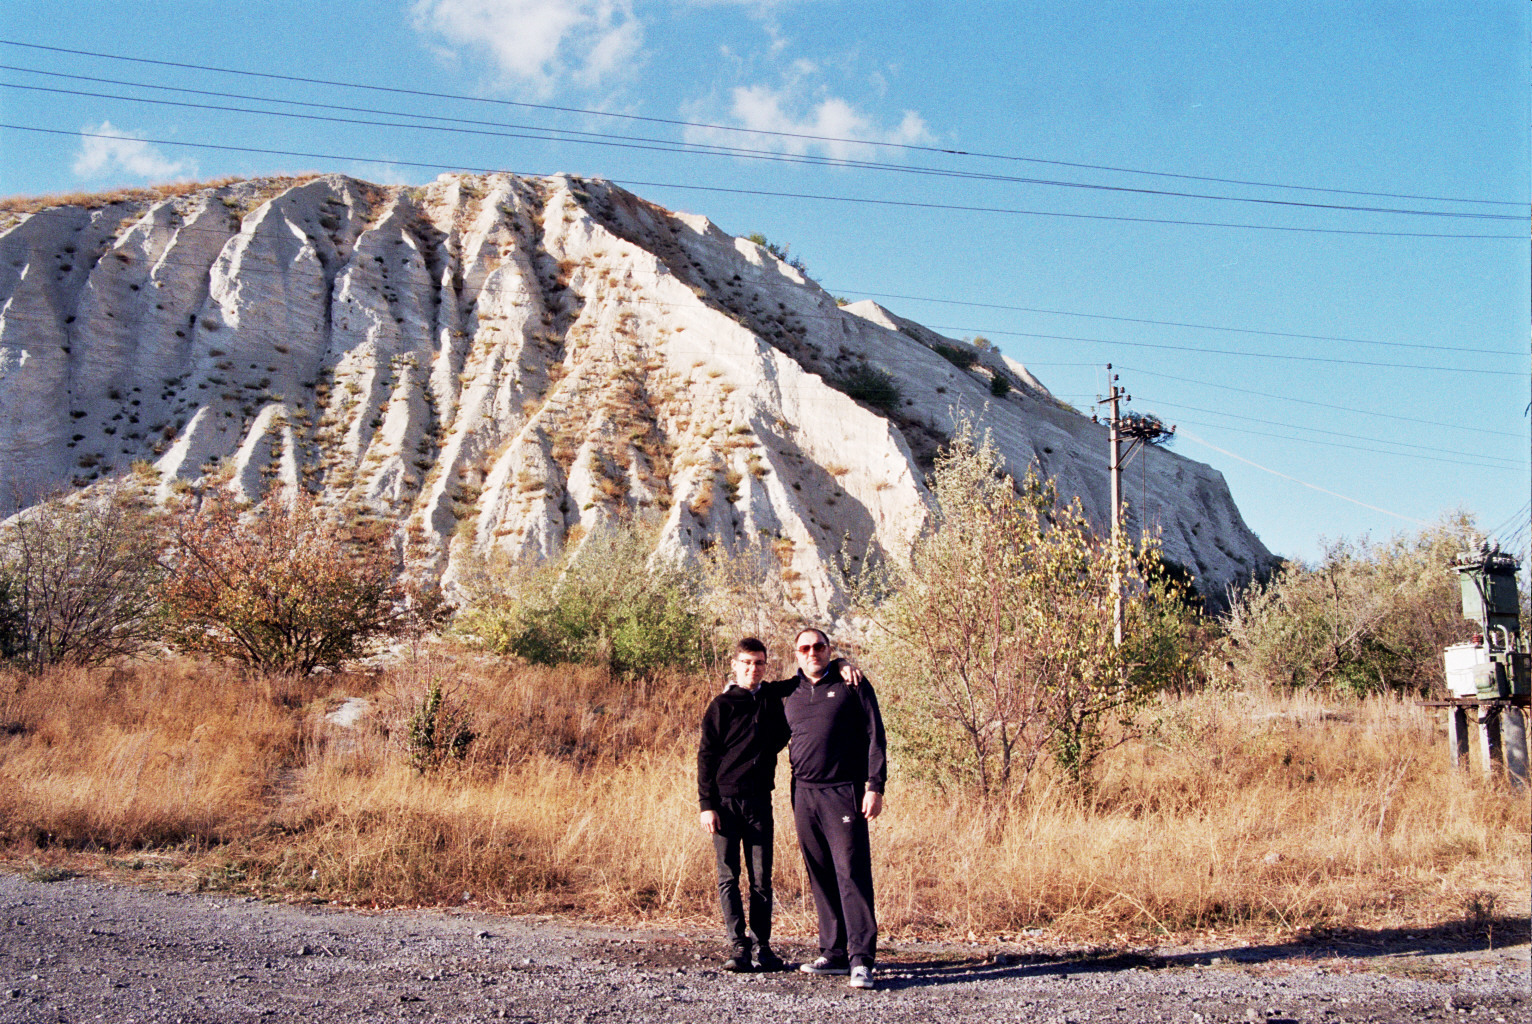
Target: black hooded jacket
x,y
742,732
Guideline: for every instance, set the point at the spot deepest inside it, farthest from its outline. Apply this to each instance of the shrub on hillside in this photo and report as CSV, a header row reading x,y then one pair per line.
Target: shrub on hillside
x,y
868,384
281,587
1367,618
610,602
78,579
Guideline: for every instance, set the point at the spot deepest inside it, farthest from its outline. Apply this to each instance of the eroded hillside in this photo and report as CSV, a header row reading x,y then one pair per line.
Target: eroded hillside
x,y
504,362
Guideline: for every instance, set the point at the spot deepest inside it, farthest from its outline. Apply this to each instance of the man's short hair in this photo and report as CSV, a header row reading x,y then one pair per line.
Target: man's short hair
x,y
812,629
750,645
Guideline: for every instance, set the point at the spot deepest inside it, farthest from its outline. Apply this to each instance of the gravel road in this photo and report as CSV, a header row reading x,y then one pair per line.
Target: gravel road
x,y
86,950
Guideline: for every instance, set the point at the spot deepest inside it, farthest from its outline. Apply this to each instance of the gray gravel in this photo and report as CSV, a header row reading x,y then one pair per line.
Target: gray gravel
x,y
85,950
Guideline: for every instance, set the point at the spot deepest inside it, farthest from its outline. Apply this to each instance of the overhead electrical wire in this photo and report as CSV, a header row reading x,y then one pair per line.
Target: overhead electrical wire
x,y
1315,487
1177,323
662,145
1162,403
1235,352
817,197
1519,515
1321,405
1352,447
804,136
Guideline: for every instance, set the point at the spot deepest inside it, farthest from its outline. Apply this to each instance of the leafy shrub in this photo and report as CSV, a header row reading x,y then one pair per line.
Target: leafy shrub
x,y
610,603
282,588
959,357
868,384
1367,618
78,579
999,386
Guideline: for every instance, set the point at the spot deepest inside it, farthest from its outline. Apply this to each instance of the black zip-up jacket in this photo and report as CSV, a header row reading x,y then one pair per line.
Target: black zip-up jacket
x,y
837,732
742,732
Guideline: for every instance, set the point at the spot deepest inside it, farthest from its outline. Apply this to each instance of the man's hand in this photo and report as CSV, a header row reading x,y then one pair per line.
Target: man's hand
x,y
710,822
872,804
850,674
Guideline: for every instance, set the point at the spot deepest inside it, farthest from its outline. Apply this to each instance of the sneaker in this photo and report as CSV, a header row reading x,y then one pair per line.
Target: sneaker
x,y
739,963
766,960
825,965
861,977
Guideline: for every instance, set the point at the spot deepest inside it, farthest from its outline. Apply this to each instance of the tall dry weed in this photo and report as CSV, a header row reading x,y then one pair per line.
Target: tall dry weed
x,y
578,796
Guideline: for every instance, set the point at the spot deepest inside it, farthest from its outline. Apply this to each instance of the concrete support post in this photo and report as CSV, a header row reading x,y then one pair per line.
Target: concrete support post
x,y
1513,724
1489,739
1457,736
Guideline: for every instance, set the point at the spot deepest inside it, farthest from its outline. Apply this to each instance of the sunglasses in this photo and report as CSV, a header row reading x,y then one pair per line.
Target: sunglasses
x,y
817,645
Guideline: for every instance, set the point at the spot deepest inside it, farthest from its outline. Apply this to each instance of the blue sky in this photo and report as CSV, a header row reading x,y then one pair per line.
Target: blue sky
x,y
1402,106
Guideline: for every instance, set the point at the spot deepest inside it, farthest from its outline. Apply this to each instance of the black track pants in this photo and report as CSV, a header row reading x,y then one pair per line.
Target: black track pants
x,y
836,853
745,823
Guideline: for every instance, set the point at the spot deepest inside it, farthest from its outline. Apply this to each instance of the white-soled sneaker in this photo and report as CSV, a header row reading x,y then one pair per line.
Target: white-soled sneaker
x,y
825,965
861,977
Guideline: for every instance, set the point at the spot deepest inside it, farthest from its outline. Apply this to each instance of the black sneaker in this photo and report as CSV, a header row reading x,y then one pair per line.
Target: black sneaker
x,y
766,960
825,965
739,963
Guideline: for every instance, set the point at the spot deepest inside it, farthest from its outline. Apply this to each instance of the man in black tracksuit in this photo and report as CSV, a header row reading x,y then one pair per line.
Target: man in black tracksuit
x,y
839,762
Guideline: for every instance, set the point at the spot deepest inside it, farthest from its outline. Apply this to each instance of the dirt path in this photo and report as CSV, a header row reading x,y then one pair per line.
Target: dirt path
x,y
85,950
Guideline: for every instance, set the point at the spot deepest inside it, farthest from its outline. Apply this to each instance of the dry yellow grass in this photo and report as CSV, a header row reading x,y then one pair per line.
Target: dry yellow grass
x,y
578,797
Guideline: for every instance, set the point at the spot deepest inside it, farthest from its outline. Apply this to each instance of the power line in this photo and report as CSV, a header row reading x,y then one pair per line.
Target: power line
x,y
1321,405
1176,323
1352,447
665,146
804,136
1334,433
1236,352
861,200
1521,514
1265,469
1120,343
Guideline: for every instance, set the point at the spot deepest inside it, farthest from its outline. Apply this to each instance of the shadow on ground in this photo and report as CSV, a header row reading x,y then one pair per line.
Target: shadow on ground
x,y
900,971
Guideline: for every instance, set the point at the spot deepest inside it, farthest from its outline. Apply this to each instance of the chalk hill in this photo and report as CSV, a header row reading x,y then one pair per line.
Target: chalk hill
x,y
508,362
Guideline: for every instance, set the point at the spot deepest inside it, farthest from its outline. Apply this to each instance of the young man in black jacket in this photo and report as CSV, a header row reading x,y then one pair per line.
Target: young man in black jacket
x,y
743,730
839,760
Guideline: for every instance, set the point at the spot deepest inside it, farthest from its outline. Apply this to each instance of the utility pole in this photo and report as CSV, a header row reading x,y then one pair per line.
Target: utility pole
x,y
1137,430
1114,463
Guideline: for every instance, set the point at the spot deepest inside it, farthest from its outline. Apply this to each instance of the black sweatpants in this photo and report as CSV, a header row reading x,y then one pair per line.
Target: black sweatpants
x,y
745,825
838,858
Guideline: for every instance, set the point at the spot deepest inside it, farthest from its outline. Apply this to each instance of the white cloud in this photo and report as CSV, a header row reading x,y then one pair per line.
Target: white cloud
x,y
850,132
119,152
537,42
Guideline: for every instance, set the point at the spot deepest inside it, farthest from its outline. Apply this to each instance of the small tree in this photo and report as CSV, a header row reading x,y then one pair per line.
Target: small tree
x,y
78,579
281,587
997,635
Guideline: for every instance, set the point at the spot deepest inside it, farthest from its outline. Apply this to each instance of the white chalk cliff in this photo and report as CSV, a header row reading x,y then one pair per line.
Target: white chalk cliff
x,y
504,362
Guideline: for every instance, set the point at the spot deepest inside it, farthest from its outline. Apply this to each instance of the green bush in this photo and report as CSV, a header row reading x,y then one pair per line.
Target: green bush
x,y
1366,618
610,603
870,385
959,357
999,386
